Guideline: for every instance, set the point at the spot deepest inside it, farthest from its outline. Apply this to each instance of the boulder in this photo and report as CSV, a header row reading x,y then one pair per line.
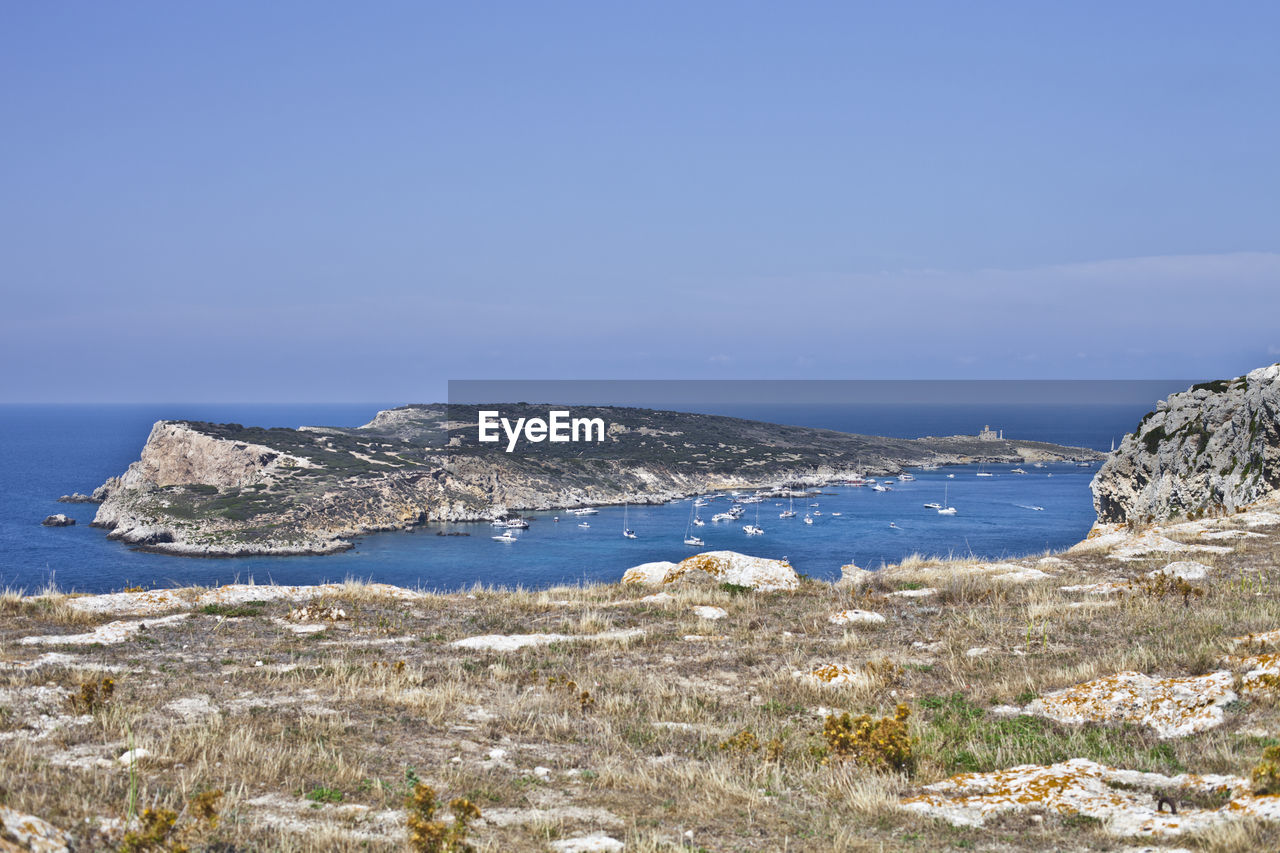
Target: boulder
x,y
855,577
757,573
58,520
648,573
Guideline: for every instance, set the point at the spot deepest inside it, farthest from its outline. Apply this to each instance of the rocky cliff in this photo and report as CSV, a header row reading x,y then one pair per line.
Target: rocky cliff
x,y
224,489
1208,450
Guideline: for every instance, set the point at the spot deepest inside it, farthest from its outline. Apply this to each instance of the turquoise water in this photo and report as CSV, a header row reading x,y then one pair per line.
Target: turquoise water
x,y
53,450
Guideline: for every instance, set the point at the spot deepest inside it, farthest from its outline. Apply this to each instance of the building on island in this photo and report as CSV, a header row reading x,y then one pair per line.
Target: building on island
x,y
988,434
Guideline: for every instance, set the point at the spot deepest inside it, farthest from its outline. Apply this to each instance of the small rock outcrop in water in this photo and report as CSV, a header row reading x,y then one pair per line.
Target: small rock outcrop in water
x,y
1211,449
78,498
58,520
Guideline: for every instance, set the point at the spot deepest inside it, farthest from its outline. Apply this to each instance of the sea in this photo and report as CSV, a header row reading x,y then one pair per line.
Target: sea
x,y
50,450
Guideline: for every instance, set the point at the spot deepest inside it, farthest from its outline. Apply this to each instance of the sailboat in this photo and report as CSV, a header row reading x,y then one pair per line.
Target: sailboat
x,y
983,472
754,529
808,519
946,508
627,532
791,508
689,538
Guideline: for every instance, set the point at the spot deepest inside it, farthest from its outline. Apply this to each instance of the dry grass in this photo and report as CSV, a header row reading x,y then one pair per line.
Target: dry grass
x,y
316,747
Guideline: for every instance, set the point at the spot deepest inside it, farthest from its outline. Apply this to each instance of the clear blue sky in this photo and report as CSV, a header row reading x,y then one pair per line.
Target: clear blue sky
x,y
318,201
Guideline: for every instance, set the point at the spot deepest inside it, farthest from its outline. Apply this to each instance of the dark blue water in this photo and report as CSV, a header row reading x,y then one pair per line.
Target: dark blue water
x,y
47,451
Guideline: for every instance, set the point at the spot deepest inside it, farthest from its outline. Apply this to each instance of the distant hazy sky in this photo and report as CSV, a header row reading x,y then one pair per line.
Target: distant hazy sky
x,y
322,201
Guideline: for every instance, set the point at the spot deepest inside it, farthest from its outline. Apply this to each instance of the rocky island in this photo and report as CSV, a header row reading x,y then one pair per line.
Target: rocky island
x,y
208,489
1122,695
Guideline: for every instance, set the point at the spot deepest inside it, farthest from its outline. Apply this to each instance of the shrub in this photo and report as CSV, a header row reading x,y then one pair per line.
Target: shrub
x,y
743,741
321,794
1266,776
882,744
585,700
154,834
92,695
428,835
1161,584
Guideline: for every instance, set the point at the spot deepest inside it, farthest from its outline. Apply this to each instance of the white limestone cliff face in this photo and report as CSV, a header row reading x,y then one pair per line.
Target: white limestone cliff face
x,y
1212,449
176,454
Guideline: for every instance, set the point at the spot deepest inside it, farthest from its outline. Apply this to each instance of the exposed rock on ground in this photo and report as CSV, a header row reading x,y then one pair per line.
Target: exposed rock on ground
x,y
856,617
23,832
1125,801
1171,707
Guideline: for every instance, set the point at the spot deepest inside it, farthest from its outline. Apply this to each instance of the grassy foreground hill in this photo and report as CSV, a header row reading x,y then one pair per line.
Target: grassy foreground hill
x,y
302,718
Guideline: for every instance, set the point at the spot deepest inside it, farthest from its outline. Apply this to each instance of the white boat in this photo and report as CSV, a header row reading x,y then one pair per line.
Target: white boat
x,y
813,504
1017,471
724,516
752,530
627,532
837,513
933,505
894,525
951,476
583,524
498,522
791,509
689,538
697,522
586,510
817,512
808,520
517,524
507,536
701,502
946,509
906,477
983,472
878,487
